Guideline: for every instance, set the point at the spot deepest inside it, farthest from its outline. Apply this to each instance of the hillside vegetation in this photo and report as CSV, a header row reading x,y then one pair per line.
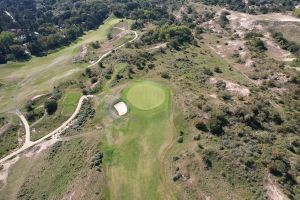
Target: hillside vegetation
x,y
211,95
253,6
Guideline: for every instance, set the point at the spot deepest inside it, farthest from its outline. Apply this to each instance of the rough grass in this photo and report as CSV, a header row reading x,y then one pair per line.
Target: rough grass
x,y
25,79
70,103
132,159
66,106
116,70
48,178
289,30
145,95
10,134
8,141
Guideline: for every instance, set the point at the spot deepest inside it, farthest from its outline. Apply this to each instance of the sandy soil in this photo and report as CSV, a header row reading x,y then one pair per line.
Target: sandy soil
x,y
37,96
5,169
121,108
242,23
81,54
158,46
273,190
233,88
279,77
179,13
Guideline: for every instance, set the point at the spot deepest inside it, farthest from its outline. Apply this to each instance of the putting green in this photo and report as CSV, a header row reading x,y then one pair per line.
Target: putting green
x,y
146,95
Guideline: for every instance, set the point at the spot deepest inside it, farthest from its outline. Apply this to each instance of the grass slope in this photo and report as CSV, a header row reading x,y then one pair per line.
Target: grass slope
x,y
66,106
25,79
70,102
132,160
48,175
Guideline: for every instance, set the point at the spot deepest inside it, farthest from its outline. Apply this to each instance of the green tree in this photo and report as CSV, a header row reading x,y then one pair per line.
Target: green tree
x,y
19,52
50,106
6,39
296,12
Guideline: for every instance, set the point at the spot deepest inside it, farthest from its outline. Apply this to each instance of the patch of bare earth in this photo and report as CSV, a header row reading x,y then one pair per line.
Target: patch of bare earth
x,y
231,87
81,54
273,190
242,23
158,46
179,13
4,170
279,77
275,51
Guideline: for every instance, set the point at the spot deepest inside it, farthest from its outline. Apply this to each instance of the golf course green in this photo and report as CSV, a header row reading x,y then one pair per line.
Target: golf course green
x,y
145,95
137,143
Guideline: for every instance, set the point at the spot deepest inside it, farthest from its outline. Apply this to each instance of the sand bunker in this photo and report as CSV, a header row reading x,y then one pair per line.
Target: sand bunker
x,y
121,108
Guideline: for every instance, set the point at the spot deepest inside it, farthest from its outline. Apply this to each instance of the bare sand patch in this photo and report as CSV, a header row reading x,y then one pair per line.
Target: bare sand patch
x,y
243,23
233,88
121,108
5,169
273,190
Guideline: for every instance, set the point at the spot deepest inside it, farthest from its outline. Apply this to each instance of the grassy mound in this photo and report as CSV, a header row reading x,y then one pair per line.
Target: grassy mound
x,y
145,95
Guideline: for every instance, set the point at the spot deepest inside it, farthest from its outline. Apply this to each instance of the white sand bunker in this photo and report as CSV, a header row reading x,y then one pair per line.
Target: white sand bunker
x,y
121,108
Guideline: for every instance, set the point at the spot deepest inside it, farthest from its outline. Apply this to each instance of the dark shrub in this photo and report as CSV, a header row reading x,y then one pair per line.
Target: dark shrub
x,y
201,126
180,139
207,71
216,123
50,106
165,75
177,176
94,80
218,70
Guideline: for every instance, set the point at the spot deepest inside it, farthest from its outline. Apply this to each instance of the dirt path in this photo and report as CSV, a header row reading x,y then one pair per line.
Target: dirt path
x,y
26,126
116,48
38,96
273,190
28,144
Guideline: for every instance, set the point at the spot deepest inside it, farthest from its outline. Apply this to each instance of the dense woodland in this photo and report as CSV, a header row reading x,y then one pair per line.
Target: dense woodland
x,y
35,27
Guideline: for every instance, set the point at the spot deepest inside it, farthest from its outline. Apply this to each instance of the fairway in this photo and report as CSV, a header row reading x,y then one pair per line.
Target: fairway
x,y
25,79
145,95
133,153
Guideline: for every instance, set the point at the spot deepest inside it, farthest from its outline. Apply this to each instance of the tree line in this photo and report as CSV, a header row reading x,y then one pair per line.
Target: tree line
x,y
30,27
36,27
